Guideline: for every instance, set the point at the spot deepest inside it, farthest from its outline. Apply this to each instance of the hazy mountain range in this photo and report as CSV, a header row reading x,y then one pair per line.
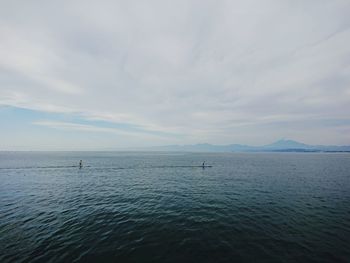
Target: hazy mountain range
x,y
278,146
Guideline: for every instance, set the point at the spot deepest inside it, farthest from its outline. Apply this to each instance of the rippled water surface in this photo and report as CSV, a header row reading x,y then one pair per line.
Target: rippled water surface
x,y
156,207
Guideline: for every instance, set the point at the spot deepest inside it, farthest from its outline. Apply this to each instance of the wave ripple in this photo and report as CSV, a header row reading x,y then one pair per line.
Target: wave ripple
x,y
246,208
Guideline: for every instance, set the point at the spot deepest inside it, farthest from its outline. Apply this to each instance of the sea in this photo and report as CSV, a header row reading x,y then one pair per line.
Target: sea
x,y
165,207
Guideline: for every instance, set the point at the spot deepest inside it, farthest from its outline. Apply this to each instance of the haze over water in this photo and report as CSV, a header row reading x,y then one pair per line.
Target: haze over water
x,y
155,207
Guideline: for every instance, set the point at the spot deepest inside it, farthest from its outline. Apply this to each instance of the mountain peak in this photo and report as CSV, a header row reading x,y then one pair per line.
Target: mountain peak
x,y
286,143
282,145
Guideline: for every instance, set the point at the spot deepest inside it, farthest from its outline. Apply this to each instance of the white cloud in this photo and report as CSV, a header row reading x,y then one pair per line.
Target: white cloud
x,y
74,126
216,71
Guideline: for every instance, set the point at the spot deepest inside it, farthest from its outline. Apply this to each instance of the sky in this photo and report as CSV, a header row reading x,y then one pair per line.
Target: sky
x,y
104,75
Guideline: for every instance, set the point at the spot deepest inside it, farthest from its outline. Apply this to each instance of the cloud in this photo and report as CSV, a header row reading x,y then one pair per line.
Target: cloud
x,y
219,72
76,127
98,127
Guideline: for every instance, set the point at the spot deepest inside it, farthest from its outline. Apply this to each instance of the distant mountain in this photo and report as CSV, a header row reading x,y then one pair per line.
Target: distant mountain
x,y
278,146
287,144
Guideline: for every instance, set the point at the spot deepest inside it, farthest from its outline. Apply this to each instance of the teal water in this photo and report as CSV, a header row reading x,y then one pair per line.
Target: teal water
x,y
157,207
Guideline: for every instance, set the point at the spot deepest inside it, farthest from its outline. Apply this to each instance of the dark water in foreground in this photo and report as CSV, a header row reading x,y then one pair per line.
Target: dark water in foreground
x,y
149,207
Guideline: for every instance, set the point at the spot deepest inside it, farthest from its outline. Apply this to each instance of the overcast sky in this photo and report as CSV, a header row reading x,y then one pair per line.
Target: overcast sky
x,y
110,74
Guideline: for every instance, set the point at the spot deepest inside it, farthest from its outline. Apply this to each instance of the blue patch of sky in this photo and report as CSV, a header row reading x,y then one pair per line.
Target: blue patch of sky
x,y
18,118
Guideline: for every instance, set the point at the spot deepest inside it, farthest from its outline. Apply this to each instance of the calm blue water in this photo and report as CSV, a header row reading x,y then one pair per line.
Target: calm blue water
x,y
154,207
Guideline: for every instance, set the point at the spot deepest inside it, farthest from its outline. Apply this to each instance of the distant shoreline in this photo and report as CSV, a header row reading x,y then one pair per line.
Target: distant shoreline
x,y
172,151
